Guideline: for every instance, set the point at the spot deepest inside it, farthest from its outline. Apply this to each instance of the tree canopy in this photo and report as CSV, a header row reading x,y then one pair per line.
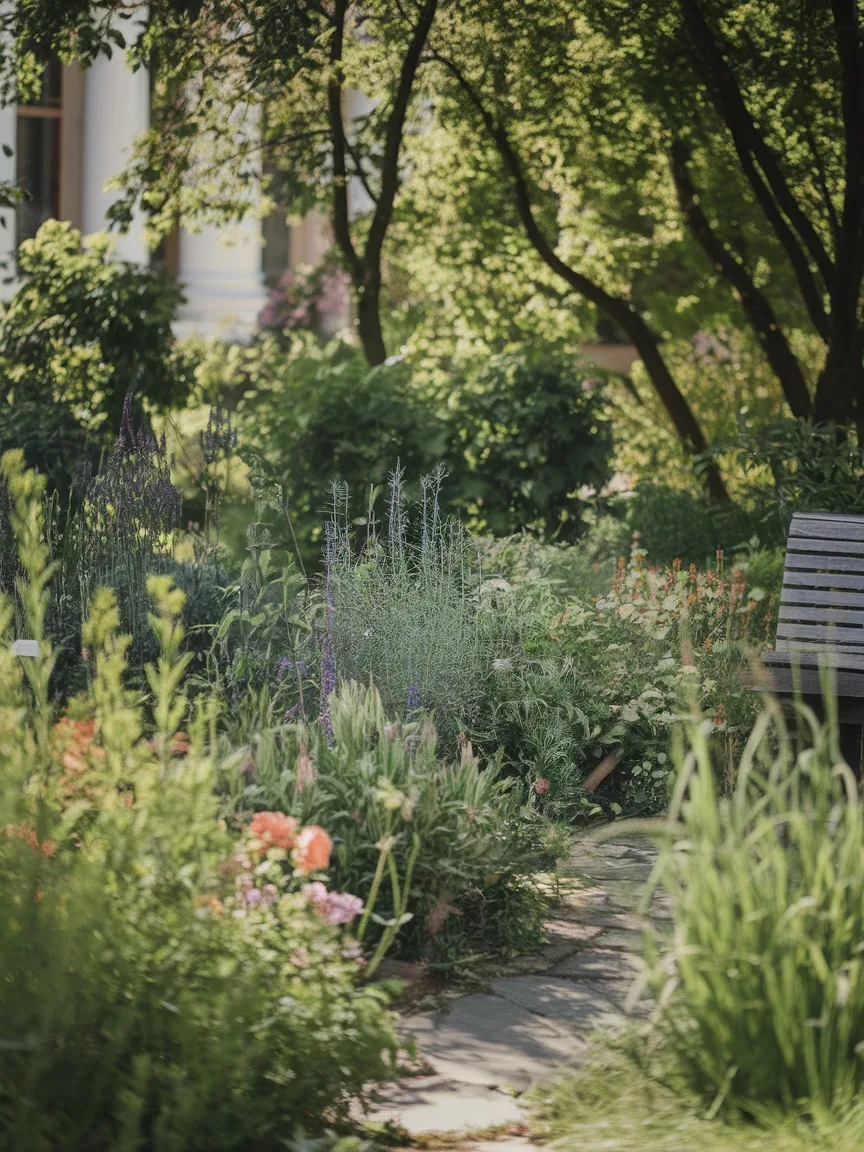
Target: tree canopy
x,y
666,165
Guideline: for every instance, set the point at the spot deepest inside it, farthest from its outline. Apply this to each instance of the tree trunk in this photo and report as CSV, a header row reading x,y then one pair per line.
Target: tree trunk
x,y
840,389
369,324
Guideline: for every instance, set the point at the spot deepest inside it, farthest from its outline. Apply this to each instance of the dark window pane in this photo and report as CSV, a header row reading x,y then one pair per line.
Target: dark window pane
x,y
51,87
38,160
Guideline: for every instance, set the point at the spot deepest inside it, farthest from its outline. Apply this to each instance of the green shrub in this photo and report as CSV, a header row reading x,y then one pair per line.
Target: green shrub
x,y
265,645
319,414
81,331
797,466
528,433
137,1013
375,783
602,677
553,573
676,525
762,986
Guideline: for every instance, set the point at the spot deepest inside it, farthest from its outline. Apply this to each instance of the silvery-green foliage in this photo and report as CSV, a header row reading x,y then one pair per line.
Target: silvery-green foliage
x,y
406,606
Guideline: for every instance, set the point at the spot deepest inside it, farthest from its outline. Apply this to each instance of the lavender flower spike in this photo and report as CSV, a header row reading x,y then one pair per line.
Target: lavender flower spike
x,y
413,697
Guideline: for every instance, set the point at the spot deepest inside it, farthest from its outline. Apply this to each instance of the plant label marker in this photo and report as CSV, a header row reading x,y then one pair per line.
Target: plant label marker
x,y
25,648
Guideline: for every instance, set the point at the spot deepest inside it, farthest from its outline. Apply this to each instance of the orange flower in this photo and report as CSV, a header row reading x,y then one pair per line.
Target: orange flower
x,y
272,830
179,744
312,850
211,904
26,832
73,744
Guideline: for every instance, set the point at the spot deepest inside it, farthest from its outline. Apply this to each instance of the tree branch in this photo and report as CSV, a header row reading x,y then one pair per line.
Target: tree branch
x,y
743,128
620,310
851,246
393,139
360,171
750,148
341,218
756,306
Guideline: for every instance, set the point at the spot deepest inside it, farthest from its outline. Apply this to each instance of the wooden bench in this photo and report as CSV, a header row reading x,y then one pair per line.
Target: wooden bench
x,y
821,619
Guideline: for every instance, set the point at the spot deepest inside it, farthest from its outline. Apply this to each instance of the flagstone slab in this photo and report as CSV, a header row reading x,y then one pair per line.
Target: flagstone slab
x,y
491,1040
564,1001
621,940
435,1104
594,964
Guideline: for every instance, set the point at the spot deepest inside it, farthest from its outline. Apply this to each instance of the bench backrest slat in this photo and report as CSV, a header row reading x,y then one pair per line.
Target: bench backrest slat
x,y
822,603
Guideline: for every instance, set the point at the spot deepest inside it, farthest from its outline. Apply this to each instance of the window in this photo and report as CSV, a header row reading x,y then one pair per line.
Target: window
x,y
38,154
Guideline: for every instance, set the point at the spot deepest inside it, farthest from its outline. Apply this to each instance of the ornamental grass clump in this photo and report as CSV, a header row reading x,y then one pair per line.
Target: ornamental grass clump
x,y
761,987
405,608
167,981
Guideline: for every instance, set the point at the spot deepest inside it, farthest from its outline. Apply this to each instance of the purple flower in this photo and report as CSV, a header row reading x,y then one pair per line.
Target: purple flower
x,y
300,665
283,667
270,894
413,697
253,897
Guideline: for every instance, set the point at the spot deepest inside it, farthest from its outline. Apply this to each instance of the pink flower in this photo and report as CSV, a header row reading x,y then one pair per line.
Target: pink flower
x,y
315,893
270,894
541,786
336,907
342,908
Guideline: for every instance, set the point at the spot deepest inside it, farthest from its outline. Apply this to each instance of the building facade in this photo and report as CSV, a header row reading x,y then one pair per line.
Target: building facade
x,y
68,144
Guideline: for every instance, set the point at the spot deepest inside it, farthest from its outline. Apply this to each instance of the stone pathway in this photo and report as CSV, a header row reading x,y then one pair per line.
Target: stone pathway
x,y
486,1049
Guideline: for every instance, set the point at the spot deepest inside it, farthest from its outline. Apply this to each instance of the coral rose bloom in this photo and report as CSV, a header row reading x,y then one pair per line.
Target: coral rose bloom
x,y
273,830
312,849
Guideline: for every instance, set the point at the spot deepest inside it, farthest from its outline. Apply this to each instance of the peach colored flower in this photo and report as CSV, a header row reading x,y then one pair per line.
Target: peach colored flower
x,y
73,744
211,904
272,830
312,849
27,832
179,744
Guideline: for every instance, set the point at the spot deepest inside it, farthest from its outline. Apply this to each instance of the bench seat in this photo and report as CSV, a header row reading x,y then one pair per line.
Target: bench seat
x,y
821,612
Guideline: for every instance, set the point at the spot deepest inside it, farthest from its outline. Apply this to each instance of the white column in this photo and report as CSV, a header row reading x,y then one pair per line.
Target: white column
x,y
116,110
357,106
221,272
8,133
221,267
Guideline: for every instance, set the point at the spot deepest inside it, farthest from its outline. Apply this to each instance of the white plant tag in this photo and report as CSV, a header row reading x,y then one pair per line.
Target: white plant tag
x,y
25,648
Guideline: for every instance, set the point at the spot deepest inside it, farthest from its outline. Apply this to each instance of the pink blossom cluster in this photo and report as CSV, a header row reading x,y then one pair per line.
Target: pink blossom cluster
x,y
336,907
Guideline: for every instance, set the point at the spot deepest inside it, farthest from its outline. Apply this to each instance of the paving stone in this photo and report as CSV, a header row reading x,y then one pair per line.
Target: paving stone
x,y
621,940
575,930
505,1144
434,1104
544,959
593,964
618,992
604,918
606,870
492,1041
560,1000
